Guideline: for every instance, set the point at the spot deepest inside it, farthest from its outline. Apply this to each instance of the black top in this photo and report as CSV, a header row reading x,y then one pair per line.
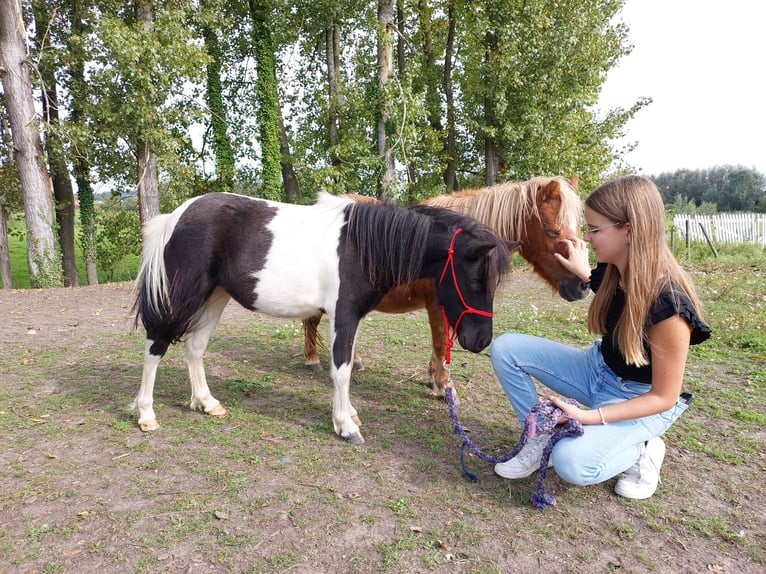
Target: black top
x,y
668,303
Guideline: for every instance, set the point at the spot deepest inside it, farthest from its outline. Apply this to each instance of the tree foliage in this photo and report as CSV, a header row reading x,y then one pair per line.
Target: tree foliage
x,y
248,95
728,188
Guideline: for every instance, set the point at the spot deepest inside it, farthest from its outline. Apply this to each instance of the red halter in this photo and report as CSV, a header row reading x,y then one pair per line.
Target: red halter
x,y
467,308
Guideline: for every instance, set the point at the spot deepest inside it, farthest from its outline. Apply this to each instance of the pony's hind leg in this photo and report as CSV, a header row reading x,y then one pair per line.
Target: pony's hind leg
x,y
153,353
311,342
311,345
195,345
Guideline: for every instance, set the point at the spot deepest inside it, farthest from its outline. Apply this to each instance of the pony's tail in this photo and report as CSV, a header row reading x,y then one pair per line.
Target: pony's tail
x,y
152,305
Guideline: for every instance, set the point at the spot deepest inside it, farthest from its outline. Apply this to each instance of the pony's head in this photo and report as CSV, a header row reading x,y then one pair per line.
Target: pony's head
x,y
469,261
543,213
557,213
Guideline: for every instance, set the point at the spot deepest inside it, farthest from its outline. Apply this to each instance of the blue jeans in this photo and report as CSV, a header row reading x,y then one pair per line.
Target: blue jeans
x,y
603,451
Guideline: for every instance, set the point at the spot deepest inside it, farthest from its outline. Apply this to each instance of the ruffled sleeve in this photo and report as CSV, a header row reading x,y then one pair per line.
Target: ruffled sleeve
x,y
676,302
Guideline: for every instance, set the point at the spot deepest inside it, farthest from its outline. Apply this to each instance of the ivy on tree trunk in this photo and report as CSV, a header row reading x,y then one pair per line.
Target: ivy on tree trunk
x,y
224,153
266,98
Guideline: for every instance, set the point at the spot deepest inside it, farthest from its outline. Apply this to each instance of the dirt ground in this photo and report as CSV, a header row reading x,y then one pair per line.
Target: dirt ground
x,y
340,520
50,315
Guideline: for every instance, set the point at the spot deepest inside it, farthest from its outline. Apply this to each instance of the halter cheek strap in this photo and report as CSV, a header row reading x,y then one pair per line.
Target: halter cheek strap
x,y
467,309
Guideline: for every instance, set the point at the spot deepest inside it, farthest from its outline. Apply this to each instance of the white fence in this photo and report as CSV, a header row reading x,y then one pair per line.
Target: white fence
x,y
723,227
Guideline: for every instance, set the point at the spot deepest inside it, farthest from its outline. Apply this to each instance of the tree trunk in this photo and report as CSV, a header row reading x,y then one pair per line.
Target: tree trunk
x,y
147,180
266,96
385,68
148,184
450,173
42,255
289,179
63,192
401,49
491,156
332,53
431,78
6,198
81,168
5,260
224,152
401,55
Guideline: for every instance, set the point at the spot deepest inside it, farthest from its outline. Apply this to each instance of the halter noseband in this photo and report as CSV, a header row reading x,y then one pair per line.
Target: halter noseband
x,y
450,263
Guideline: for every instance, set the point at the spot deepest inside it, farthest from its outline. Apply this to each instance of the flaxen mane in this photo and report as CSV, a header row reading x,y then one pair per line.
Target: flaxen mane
x,y
506,207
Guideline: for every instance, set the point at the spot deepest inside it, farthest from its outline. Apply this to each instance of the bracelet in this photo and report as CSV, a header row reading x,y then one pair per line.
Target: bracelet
x,y
603,420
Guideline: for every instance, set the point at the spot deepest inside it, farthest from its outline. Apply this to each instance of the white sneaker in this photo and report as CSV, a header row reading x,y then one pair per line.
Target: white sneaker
x,y
641,480
527,461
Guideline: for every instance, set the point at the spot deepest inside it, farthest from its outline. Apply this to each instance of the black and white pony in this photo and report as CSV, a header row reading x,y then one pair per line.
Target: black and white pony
x,y
338,257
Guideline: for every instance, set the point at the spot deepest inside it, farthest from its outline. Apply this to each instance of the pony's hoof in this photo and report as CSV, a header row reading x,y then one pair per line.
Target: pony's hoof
x,y
316,367
356,439
218,412
149,426
358,366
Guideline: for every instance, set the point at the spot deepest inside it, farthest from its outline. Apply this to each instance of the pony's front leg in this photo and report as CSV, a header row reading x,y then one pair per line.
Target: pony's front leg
x,y
344,416
195,346
439,375
153,353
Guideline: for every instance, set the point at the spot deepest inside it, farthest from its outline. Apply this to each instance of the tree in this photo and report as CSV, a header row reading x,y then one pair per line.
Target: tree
x,y
43,257
728,188
82,139
145,73
224,154
385,69
530,75
147,178
394,98
63,191
266,97
10,193
450,149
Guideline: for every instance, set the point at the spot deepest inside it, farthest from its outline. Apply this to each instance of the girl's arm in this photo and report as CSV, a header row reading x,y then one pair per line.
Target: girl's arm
x,y
669,343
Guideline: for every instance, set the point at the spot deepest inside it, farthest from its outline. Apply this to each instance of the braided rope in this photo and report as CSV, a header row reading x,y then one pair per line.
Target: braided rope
x,y
542,419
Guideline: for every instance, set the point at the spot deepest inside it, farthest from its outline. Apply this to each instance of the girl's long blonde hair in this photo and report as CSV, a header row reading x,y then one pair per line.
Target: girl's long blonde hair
x,y
650,266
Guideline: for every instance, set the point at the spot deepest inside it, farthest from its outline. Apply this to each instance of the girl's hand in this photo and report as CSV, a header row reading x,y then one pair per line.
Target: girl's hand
x,y
576,259
570,411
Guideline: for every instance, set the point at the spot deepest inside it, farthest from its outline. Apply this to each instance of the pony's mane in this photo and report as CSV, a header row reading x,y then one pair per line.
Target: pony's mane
x,y
507,207
391,240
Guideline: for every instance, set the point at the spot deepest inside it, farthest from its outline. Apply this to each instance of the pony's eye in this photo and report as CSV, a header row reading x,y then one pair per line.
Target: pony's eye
x,y
550,232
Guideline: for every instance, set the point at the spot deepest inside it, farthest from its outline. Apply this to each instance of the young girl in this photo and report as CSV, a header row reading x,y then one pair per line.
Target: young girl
x,y
646,310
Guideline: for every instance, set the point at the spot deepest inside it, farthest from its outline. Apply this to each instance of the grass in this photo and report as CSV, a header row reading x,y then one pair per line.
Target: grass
x,y
271,489
125,270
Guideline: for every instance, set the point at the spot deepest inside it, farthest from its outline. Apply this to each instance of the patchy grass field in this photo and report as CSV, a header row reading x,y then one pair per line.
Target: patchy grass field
x,y
271,489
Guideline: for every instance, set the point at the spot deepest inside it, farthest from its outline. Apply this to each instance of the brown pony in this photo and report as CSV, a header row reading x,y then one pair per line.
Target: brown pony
x,y
543,213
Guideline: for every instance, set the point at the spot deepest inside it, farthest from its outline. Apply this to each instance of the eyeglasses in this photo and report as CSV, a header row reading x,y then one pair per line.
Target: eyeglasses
x,y
594,230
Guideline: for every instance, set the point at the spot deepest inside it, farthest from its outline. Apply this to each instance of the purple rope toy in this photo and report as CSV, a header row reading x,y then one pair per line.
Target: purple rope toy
x,y
541,419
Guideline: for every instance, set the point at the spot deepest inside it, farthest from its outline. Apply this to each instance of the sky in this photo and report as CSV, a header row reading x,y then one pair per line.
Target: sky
x,y
703,63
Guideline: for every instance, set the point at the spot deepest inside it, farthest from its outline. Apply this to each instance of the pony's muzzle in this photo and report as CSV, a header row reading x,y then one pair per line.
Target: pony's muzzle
x,y
573,289
475,339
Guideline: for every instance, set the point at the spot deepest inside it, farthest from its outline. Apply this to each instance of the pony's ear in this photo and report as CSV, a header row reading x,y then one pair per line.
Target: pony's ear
x,y
574,180
485,248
